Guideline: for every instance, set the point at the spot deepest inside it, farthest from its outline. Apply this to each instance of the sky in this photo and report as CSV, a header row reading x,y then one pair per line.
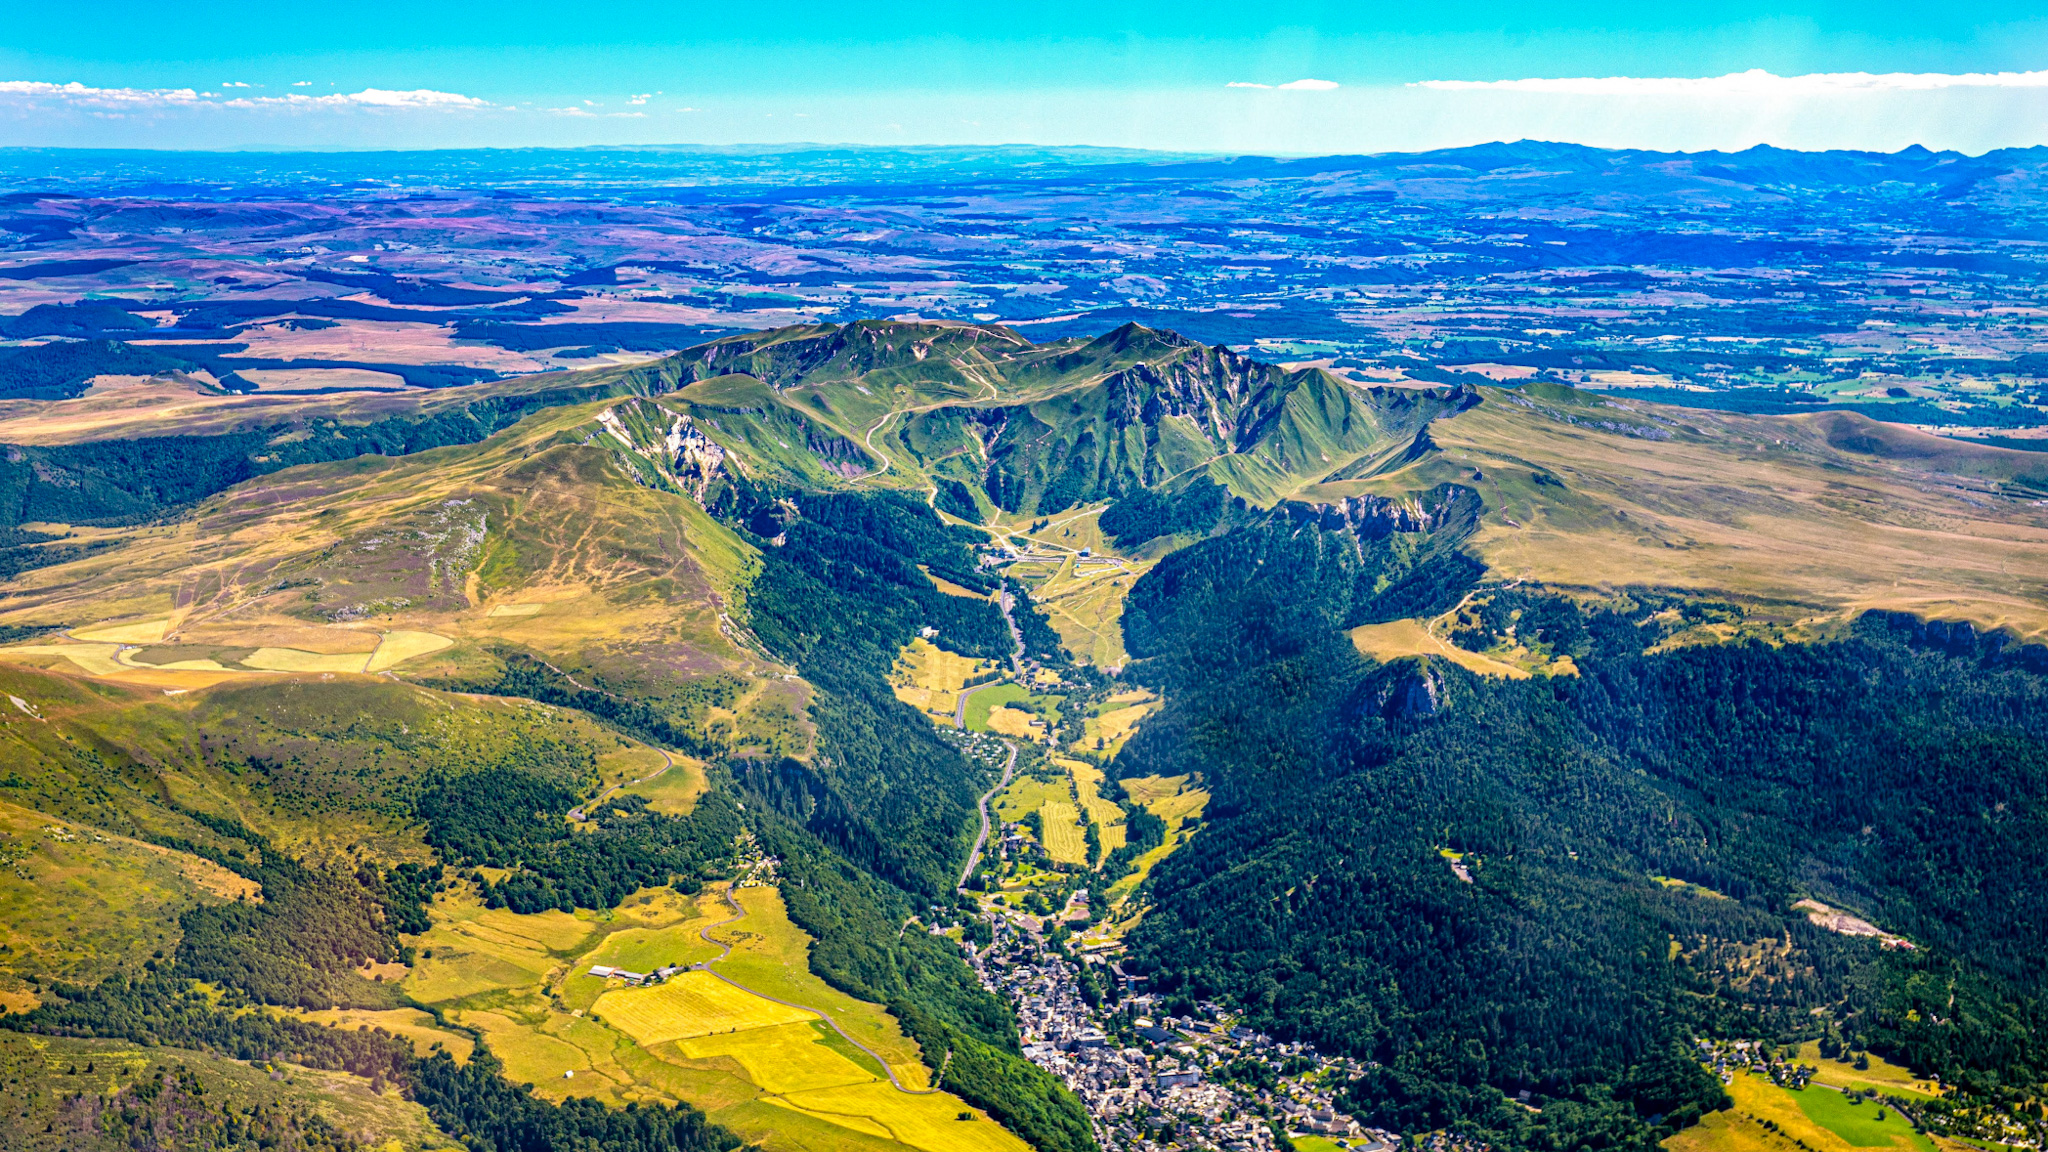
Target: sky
x,y
1292,77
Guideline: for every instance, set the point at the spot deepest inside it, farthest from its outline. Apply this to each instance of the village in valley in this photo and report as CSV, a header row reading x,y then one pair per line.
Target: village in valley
x,y
1152,1081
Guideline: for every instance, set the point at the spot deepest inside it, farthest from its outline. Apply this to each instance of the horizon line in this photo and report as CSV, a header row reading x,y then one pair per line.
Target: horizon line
x,y
767,147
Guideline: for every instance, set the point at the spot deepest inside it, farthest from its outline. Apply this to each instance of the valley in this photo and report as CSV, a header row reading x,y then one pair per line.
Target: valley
x,y
609,749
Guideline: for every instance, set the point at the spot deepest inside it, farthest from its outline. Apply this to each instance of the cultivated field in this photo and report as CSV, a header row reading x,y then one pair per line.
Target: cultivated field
x,y
753,1064
1063,838
1027,794
928,1122
1107,817
690,1004
148,654
1014,722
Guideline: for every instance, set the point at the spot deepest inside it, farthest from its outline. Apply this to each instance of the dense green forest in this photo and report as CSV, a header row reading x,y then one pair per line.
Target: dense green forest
x,y
1147,513
504,818
838,599
1320,894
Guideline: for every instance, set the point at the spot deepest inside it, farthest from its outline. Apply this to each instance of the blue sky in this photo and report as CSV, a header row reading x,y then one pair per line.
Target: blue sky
x,y
1187,75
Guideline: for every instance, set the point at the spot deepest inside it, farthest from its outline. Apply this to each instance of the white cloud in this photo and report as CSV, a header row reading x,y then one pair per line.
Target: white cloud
x,y
302,83
417,98
1245,84
36,91
1755,82
80,96
233,84
642,98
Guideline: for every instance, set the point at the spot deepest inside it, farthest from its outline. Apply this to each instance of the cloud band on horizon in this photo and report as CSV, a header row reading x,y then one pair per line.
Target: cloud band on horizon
x,y
78,95
1754,82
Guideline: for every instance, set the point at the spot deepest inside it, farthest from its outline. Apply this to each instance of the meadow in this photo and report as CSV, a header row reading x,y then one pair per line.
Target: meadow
x,y
41,1075
82,904
930,679
989,699
1767,1118
1114,720
773,1072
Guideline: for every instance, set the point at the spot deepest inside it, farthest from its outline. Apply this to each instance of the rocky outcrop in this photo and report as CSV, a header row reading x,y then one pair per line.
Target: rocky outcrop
x,y
696,460
1377,517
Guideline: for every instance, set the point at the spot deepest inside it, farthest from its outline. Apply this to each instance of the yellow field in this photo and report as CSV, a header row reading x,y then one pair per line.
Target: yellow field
x,y
400,646
293,660
149,632
1398,638
1882,1074
772,955
1015,722
1106,733
930,679
1107,817
689,1004
499,611
928,1122
479,951
783,1058
91,659
1063,839
523,982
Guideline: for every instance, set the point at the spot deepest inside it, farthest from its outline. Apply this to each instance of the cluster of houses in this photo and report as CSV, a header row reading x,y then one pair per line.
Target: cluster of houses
x,y
1727,1057
1152,1084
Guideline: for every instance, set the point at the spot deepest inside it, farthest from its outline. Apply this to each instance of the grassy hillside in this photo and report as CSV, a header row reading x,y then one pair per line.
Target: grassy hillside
x,y
1817,517
477,689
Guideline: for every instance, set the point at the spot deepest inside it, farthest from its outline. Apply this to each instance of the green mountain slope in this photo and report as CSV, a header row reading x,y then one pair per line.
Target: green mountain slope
x,y
508,662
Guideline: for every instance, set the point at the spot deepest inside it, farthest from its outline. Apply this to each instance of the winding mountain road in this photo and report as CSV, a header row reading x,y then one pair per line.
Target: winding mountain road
x,y
1009,765
981,841
668,762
